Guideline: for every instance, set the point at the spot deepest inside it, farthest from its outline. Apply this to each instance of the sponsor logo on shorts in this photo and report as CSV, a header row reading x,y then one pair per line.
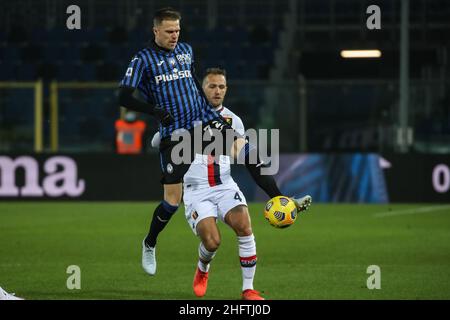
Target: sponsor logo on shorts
x,y
169,168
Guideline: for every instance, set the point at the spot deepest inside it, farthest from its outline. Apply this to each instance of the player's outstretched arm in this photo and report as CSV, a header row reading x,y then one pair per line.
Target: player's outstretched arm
x,y
127,100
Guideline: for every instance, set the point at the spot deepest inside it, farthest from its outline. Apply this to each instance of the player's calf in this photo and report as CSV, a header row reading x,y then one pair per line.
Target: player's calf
x,y
209,233
248,259
161,216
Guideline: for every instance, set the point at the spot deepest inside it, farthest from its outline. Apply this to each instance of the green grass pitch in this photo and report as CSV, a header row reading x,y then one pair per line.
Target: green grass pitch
x,y
324,255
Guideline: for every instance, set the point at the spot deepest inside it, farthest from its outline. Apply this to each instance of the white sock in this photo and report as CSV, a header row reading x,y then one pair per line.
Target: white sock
x,y
247,256
204,255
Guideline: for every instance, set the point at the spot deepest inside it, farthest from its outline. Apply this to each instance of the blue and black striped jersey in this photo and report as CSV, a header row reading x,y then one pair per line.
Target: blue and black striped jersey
x,y
165,78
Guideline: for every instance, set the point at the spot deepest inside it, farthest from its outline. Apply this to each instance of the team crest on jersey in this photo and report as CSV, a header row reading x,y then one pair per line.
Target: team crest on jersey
x,y
194,215
172,61
229,120
184,58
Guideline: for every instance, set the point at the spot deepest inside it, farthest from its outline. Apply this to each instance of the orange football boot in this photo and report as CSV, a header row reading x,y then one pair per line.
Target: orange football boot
x,y
250,294
200,283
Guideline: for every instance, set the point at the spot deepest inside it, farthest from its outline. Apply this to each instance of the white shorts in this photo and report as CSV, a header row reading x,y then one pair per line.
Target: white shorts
x,y
211,202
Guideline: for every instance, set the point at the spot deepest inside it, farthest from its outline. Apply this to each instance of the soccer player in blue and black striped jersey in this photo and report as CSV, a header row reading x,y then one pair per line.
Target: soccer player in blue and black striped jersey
x,y
164,74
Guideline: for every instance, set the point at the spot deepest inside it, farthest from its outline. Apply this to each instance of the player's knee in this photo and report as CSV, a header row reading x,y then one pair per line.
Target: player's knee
x,y
168,211
241,225
239,220
243,230
173,201
212,243
173,196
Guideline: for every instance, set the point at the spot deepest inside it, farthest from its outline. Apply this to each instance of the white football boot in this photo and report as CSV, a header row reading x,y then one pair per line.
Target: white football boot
x,y
8,296
303,203
148,259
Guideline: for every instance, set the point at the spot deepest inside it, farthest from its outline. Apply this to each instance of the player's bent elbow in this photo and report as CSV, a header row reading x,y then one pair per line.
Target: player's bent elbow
x,y
123,96
238,144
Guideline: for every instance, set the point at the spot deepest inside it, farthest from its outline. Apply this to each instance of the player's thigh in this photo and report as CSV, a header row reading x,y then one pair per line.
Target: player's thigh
x,y
198,208
173,193
228,197
232,201
239,220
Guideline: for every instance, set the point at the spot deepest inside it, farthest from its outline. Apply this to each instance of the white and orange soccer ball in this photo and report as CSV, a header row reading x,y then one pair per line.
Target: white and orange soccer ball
x,y
281,212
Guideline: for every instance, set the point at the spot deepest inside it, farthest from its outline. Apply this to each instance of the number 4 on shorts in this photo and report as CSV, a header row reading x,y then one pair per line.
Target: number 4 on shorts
x,y
237,197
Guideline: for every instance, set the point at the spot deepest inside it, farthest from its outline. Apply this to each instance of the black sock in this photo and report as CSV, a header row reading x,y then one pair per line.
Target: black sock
x,y
265,182
161,217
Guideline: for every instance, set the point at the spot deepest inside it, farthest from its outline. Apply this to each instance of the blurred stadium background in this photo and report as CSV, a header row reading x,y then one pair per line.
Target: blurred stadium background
x,y
58,86
373,130
282,59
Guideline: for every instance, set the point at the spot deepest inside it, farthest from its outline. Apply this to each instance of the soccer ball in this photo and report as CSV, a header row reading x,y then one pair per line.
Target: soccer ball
x,y
281,212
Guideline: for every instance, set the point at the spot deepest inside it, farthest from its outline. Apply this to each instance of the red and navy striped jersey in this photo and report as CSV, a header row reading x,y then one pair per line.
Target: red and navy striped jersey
x,y
165,78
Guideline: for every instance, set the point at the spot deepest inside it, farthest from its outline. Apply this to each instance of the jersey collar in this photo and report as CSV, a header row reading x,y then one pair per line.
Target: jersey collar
x,y
153,45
